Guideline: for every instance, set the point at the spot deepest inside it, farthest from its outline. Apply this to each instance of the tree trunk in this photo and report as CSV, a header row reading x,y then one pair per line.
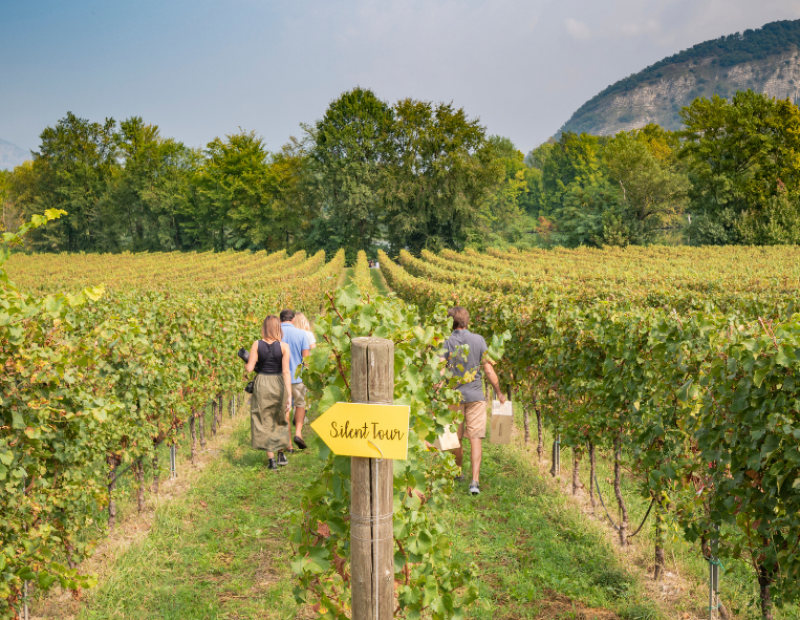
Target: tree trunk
x,y
194,434
202,427
540,447
155,472
213,417
623,528
659,542
576,471
592,474
220,409
113,462
555,468
764,582
138,470
526,423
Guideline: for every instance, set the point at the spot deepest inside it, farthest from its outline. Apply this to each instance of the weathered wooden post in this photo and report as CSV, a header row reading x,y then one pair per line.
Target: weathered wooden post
x,y
371,537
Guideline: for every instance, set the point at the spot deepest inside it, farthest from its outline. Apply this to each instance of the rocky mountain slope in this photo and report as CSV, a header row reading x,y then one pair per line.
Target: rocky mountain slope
x,y
765,60
11,155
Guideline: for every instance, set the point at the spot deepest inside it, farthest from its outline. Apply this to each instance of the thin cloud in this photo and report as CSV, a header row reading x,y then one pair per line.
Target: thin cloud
x,y
577,29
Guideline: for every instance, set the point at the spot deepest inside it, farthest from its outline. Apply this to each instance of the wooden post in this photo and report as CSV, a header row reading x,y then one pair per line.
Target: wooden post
x,y
371,537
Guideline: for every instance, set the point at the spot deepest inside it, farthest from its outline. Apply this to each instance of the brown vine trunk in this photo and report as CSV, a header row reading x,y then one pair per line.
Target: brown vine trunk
x,y
764,582
220,410
555,468
193,431
138,470
213,417
540,447
202,427
526,423
113,462
156,479
623,527
576,471
591,473
659,542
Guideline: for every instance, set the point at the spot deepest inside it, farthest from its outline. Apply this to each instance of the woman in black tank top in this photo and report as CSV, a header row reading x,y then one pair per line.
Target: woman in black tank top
x,y
272,394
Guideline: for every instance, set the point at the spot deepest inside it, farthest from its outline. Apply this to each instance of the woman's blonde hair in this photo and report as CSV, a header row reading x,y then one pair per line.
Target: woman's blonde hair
x,y
271,328
301,321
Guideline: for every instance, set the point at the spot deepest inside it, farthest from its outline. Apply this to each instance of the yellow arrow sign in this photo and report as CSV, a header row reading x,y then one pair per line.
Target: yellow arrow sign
x,y
356,429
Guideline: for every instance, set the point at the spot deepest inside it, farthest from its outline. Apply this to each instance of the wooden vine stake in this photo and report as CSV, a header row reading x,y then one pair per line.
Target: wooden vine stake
x,y
371,537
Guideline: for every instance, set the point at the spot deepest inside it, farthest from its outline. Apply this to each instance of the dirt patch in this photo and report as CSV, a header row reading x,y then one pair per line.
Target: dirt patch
x,y
134,526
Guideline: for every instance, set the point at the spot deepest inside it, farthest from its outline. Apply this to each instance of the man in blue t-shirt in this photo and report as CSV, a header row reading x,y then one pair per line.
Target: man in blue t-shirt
x,y
297,339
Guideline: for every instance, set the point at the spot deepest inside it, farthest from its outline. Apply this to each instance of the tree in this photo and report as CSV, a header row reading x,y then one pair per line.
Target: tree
x,y
443,172
71,172
503,218
235,188
652,191
147,191
736,152
777,223
350,150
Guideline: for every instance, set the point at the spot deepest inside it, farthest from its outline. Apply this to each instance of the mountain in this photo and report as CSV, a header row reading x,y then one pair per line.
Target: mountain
x,y
11,155
766,60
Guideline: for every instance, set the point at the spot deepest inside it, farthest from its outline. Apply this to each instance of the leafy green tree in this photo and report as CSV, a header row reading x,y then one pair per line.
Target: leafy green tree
x,y
350,149
71,173
503,217
736,152
443,170
145,193
235,187
652,191
777,223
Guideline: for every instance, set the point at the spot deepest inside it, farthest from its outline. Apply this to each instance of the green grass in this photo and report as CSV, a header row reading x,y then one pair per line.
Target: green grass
x,y
220,551
379,282
349,274
537,554
217,552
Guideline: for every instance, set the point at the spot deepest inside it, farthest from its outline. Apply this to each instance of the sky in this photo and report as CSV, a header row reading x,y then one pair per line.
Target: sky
x,y
202,68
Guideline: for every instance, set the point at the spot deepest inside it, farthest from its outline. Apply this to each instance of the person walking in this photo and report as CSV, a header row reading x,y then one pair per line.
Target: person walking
x,y
301,322
299,347
473,403
271,401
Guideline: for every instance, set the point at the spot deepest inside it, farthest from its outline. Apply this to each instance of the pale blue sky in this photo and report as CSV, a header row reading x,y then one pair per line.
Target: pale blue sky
x,y
202,68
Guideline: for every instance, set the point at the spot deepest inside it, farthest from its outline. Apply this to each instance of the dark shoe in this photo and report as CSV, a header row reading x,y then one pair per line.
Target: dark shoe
x,y
459,478
298,441
474,489
282,460
271,464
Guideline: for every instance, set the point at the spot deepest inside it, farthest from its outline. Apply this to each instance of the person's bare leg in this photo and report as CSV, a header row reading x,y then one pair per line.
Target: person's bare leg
x,y
459,454
270,455
476,452
299,418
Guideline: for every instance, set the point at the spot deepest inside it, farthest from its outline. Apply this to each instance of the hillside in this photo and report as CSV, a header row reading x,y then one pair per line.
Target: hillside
x,y
764,60
11,155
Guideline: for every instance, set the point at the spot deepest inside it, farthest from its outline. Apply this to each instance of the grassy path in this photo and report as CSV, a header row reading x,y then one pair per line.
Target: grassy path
x,y
220,551
379,282
217,552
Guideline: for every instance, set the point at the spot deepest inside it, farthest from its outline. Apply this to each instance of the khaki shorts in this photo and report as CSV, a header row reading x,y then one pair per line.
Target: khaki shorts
x,y
474,424
298,395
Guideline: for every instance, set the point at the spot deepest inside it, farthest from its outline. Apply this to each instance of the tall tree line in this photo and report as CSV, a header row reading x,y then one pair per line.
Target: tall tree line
x,y
415,175
410,175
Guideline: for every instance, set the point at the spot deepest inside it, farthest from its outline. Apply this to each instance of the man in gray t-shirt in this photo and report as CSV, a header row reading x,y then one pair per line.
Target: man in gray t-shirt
x,y
469,360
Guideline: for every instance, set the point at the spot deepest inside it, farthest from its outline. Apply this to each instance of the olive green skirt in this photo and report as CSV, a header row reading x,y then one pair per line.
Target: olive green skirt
x,y
269,420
